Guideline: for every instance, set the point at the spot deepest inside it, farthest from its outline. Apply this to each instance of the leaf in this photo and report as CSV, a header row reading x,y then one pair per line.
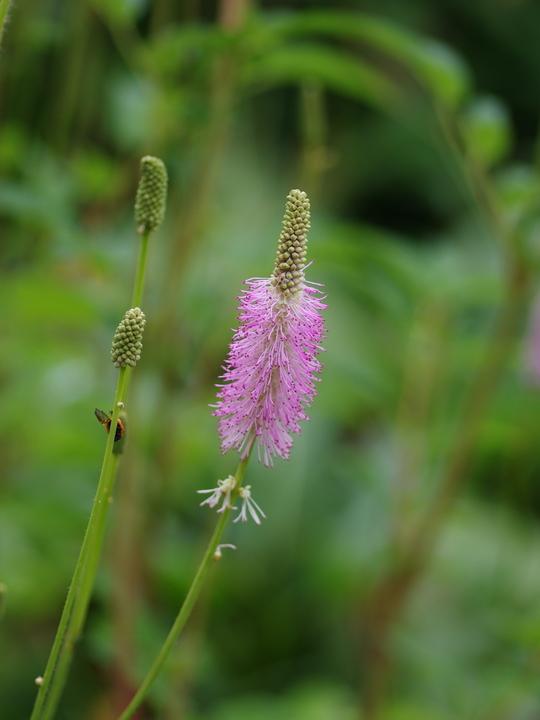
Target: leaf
x,y
130,104
487,129
519,187
332,68
442,70
180,49
122,13
433,64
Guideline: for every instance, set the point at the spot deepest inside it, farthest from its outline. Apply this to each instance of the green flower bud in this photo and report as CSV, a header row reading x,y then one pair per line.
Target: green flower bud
x,y
127,345
292,248
151,197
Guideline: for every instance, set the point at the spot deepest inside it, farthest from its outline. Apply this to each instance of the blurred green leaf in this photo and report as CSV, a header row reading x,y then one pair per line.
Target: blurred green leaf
x,y
119,12
442,69
97,176
182,49
315,700
332,68
130,109
12,146
434,64
487,129
414,711
519,186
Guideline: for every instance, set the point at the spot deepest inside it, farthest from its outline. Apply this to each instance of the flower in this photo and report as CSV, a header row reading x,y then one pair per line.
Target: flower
x,y
224,488
270,369
248,505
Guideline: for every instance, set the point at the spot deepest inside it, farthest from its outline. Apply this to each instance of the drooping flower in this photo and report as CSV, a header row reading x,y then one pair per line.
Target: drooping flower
x,y
223,492
248,505
270,370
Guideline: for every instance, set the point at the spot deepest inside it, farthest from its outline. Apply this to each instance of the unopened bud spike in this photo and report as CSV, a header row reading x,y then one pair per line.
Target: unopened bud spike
x,y
127,341
151,199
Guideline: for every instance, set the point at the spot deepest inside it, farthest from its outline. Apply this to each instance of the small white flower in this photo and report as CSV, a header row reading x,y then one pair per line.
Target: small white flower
x,y
224,488
248,505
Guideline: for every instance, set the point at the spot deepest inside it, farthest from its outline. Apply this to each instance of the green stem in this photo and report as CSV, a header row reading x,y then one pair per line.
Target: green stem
x,y
476,180
188,604
391,593
80,589
314,133
3,599
141,269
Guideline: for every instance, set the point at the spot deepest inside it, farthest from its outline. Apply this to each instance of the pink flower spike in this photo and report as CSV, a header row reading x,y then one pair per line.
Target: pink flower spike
x,y
270,370
248,505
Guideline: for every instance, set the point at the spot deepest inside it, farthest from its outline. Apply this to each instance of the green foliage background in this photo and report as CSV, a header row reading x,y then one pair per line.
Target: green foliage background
x,y
412,125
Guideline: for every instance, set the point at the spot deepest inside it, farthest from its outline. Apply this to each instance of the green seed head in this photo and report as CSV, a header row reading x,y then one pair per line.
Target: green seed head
x,y
292,248
127,345
151,197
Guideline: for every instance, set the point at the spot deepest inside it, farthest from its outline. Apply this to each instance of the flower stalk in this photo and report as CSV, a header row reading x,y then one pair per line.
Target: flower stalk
x,y
269,377
80,590
125,353
193,593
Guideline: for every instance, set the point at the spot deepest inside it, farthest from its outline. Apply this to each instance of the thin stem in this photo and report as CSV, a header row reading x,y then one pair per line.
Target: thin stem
x,y
498,350
315,158
232,14
189,602
79,592
194,213
141,270
65,110
224,84
390,595
3,599
421,376
476,179
126,572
